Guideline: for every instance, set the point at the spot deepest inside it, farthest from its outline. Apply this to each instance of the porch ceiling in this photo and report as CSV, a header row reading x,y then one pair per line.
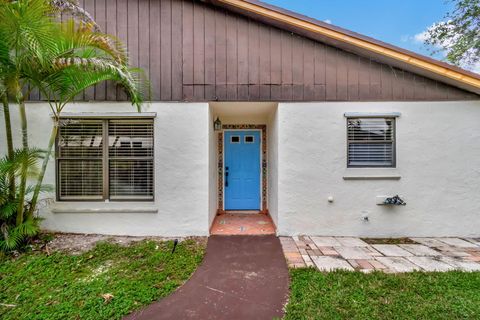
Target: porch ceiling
x,y
243,112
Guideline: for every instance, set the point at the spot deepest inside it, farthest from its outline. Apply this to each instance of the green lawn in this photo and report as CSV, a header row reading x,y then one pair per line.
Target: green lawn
x,y
354,295
62,286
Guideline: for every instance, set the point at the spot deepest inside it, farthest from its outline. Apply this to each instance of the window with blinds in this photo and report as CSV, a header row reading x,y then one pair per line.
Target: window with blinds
x,y
87,169
371,142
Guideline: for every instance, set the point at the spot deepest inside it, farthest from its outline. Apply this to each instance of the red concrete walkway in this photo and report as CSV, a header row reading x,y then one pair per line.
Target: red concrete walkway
x,y
241,277
239,223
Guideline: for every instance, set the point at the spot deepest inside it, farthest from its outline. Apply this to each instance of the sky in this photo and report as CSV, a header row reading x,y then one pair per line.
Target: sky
x,y
398,22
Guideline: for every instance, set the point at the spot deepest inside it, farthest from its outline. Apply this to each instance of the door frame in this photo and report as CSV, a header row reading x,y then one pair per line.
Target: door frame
x,y
263,163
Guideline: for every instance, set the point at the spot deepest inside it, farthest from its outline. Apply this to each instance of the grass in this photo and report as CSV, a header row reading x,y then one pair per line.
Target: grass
x,y
105,283
354,295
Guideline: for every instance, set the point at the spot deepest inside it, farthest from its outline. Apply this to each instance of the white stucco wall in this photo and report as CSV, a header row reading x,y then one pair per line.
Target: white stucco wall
x,y
272,165
181,204
212,168
438,159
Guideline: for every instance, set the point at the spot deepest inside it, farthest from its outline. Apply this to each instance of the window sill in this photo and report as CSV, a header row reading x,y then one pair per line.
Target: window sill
x,y
95,207
372,177
108,115
372,114
372,174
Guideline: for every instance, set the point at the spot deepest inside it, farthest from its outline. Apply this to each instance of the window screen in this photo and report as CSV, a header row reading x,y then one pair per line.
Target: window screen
x,y
88,170
371,142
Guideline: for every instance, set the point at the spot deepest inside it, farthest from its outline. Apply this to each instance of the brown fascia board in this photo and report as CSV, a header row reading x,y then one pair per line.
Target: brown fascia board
x,y
353,42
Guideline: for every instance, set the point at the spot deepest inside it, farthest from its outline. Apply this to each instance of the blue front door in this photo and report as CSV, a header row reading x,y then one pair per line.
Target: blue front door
x,y
242,170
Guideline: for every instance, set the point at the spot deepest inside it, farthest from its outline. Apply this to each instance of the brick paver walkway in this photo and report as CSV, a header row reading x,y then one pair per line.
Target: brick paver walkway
x,y
350,253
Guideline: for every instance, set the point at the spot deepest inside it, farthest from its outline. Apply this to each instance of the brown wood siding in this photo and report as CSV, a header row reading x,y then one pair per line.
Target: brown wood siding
x,y
192,51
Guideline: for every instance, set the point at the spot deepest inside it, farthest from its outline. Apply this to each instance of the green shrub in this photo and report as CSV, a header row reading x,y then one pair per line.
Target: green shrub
x,y
17,227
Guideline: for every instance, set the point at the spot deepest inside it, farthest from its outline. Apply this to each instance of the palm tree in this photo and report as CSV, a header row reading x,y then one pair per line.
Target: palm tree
x,y
24,30
83,58
10,180
60,60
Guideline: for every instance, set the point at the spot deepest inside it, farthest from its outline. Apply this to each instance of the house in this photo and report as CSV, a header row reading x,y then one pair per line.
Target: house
x,y
319,126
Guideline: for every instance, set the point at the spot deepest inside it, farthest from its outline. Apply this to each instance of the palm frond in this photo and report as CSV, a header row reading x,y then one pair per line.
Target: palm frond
x,y
10,238
74,39
27,27
76,74
4,190
5,59
75,10
21,158
43,188
29,228
8,210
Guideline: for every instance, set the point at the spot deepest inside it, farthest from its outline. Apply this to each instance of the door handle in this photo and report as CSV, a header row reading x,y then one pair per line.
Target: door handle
x,y
226,176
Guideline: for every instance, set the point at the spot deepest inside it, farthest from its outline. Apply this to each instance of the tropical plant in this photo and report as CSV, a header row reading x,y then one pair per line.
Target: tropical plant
x,y
24,29
12,233
82,59
60,59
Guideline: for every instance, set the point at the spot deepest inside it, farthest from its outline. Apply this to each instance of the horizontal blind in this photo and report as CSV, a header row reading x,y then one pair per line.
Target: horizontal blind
x,y
80,139
79,153
130,159
371,142
80,180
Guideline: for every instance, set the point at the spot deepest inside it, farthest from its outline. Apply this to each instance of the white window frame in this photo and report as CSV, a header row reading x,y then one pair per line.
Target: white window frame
x,y
105,159
391,117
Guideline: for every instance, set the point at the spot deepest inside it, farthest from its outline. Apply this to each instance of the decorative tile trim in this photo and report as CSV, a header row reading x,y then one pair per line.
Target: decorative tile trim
x,y
264,160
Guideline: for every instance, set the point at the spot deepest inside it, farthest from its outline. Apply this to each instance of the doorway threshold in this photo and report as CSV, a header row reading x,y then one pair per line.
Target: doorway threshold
x,y
243,211
241,223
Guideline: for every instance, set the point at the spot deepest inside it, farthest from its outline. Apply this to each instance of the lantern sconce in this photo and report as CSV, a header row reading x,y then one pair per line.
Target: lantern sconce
x,y
217,125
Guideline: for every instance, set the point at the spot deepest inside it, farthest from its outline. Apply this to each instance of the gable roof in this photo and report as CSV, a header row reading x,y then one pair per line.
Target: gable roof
x,y
354,42
208,50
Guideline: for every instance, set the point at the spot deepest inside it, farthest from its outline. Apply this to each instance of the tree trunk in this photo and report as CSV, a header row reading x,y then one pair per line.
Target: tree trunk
x,y
36,192
24,168
8,128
